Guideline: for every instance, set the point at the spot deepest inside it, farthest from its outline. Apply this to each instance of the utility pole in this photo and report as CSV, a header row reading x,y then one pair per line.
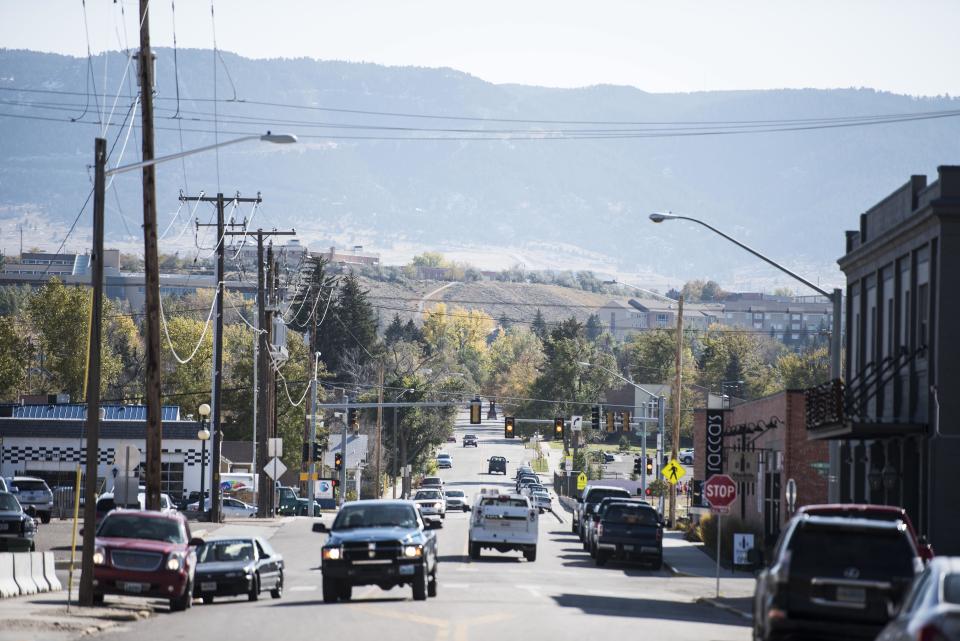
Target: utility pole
x,y
312,441
271,428
217,394
93,377
675,445
262,372
379,435
151,268
343,449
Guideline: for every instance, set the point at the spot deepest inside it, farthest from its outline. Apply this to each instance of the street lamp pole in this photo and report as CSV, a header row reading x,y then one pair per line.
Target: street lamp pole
x,y
835,297
204,435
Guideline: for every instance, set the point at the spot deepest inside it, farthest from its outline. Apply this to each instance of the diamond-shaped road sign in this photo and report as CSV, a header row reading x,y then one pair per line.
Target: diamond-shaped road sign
x,y
673,472
274,468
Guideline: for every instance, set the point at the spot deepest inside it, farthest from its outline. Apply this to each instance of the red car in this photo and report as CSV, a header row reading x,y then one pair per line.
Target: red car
x,y
878,512
148,554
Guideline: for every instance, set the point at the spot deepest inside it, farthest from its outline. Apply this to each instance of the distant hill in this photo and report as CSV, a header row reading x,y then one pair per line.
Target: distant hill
x,y
546,203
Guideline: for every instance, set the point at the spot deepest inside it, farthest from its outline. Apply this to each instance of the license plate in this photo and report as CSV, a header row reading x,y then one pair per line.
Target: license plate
x,y
851,595
407,569
133,588
208,586
628,548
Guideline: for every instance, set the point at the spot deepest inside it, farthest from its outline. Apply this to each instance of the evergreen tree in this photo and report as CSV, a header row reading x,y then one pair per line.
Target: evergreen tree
x,y
504,322
539,326
395,331
412,333
351,327
594,328
312,297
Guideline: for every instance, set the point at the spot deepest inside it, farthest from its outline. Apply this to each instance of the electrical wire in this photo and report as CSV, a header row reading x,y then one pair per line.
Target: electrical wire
x,y
206,326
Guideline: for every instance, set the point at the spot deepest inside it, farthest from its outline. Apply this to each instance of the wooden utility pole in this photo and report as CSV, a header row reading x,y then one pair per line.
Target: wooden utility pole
x,y
677,392
378,449
93,377
217,392
152,270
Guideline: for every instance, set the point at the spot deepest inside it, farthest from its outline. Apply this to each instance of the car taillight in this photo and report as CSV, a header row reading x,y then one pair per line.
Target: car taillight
x,y
931,632
599,529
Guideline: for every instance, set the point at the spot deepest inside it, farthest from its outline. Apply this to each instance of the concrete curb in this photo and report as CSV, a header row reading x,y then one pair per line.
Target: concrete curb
x,y
723,606
675,572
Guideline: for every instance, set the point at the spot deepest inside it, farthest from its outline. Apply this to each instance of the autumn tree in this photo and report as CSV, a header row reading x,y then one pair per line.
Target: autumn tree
x,y
14,359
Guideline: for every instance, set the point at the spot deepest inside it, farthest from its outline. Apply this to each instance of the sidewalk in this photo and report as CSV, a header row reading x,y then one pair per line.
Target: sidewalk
x,y
44,617
685,559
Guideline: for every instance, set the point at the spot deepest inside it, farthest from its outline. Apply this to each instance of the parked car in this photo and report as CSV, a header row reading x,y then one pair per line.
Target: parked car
x,y
231,567
834,577
470,440
931,610
17,528
230,508
629,530
149,554
34,495
592,495
444,461
870,511
590,526
106,503
541,500
686,456
456,500
393,535
608,457
497,465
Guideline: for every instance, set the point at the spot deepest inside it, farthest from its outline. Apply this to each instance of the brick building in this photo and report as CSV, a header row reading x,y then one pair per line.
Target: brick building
x,y
766,441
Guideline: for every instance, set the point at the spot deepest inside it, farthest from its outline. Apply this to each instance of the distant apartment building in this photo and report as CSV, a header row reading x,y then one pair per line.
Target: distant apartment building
x,y
243,253
38,266
349,258
792,320
622,318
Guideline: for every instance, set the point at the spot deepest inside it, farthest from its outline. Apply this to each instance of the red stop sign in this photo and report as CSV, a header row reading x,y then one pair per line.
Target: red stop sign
x,y
720,490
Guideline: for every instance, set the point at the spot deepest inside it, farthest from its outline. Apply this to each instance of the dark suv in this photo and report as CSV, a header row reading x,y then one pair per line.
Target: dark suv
x,y
379,542
496,465
470,440
834,577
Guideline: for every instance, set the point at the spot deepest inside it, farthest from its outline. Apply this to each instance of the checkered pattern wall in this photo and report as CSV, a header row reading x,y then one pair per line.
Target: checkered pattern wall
x,y
27,453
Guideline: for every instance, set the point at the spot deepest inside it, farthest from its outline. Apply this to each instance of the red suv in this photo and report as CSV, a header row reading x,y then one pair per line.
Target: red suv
x,y
147,554
874,512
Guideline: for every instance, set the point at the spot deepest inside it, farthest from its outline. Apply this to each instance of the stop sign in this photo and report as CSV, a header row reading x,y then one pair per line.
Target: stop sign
x,y
720,491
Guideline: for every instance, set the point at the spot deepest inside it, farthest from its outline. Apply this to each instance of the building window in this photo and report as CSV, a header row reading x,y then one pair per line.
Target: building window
x,y
922,314
661,320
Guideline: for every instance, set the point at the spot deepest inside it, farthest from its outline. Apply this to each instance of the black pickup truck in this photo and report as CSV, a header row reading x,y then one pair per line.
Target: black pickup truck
x,y
379,542
630,531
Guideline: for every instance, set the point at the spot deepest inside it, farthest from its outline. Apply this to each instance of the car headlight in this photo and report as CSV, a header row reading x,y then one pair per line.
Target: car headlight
x,y
438,505
332,554
99,555
412,551
174,561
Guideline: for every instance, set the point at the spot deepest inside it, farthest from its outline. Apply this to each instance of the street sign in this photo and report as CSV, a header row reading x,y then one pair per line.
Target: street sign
x,y
743,467
720,491
323,489
274,447
576,423
581,481
673,472
742,544
569,463
304,476
274,468
126,456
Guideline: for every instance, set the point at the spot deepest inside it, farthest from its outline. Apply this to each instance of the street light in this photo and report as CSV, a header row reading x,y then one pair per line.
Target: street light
x,y
204,435
835,297
657,397
153,357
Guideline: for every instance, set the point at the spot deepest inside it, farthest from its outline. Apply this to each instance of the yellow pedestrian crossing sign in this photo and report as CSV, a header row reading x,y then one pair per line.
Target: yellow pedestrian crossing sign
x,y
581,481
673,472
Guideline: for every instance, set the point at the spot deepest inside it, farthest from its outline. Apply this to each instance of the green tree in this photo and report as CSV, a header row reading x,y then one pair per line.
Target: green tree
x,y
189,381
800,371
13,298
14,359
429,259
733,355
394,331
512,363
348,337
594,327
539,325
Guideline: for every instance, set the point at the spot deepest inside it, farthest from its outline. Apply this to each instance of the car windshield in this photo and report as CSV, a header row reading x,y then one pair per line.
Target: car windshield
x,y
432,481
427,495
355,516
504,502
30,486
630,515
8,503
215,551
134,526
596,496
455,493
830,550
951,589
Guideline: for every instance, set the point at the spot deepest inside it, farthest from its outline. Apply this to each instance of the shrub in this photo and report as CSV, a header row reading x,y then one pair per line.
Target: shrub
x,y
731,524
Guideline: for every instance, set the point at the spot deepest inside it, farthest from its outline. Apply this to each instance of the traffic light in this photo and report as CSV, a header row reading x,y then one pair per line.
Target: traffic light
x,y
625,421
595,417
507,427
637,465
649,465
317,447
353,419
338,461
475,411
611,421
558,428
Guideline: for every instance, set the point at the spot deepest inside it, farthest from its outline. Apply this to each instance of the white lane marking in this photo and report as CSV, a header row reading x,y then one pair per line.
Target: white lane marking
x,y
302,588
456,586
467,568
534,590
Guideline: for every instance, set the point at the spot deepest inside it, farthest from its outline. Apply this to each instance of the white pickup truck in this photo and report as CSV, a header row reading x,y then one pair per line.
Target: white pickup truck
x,y
503,522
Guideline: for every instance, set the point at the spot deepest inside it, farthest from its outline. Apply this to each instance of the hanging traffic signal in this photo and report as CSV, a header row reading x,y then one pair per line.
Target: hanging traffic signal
x,y
353,419
625,421
649,465
558,428
637,465
508,427
338,461
475,411
595,417
611,422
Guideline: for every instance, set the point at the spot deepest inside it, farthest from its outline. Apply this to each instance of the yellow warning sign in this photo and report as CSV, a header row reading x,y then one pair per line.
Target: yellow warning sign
x,y
305,475
581,481
673,472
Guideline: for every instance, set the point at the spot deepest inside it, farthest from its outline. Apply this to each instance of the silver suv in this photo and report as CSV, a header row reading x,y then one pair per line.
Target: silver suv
x,y
34,493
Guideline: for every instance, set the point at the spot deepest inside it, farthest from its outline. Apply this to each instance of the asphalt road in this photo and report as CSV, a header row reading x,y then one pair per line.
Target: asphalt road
x,y
561,595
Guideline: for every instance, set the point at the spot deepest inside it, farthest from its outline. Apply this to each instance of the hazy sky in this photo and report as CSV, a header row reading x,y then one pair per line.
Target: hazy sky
x,y
672,45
